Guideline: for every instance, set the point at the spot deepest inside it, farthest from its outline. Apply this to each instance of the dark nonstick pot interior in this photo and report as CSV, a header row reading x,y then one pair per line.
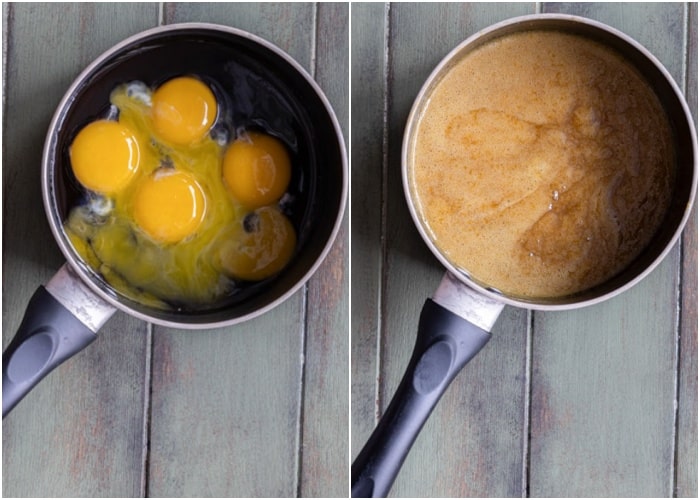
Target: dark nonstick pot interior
x,y
262,88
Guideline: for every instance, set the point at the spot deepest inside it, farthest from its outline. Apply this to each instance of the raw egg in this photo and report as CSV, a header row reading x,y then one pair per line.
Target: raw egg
x,y
260,246
257,169
174,214
184,109
105,155
169,205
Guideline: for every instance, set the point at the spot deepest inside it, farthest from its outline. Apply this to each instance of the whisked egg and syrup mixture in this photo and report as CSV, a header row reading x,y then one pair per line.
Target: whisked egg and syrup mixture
x,y
178,211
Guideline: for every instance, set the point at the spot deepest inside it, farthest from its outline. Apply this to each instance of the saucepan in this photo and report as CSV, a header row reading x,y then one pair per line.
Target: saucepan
x,y
261,88
456,322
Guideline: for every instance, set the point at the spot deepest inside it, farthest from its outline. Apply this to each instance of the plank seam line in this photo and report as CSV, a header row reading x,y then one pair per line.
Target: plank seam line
x,y
527,403
679,287
298,477
383,209
300,396
147,414
9,23
679,284
676,371
349,251
314,38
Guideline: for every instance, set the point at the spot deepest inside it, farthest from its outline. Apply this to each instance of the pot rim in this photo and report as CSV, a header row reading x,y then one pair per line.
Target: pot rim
x,y
50,209
560,303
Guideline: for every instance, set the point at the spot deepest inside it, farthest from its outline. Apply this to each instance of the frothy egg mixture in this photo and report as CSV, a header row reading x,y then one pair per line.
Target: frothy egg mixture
x,y
176,212
542,164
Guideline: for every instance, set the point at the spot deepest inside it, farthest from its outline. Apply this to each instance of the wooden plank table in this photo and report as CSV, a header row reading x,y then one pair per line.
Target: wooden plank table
x,y
259,409
595,402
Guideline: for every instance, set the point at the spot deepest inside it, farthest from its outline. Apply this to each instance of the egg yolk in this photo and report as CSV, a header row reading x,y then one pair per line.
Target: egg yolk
x,y
169,205
184,109
256,169
104,156
260,246
178,215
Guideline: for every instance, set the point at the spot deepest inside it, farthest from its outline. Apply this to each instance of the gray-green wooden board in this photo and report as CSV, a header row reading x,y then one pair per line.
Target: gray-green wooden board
x,y
258,409
595,402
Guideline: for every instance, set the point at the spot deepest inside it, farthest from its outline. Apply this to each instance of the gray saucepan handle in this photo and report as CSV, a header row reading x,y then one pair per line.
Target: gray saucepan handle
x,y
61,319
49,334
445,343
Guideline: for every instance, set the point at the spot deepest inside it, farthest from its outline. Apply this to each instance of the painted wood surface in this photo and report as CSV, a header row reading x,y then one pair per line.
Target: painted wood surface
x,y
687,431
325,433
253,410
368,222
578,403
